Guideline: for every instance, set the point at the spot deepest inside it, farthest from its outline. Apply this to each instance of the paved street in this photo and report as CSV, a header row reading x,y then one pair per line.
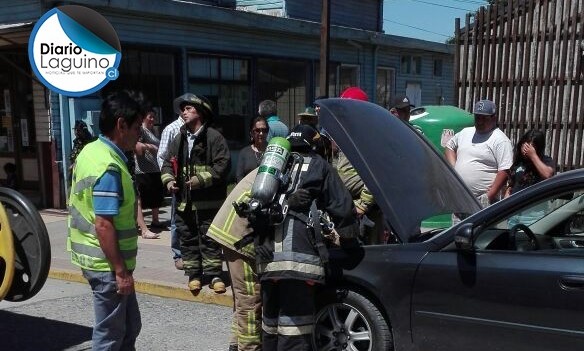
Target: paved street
x,y
60,317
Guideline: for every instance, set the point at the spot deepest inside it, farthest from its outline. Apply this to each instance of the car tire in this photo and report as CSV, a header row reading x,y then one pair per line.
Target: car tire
x,y
347,320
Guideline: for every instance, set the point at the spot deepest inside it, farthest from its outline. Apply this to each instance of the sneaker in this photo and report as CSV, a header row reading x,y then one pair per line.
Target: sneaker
x,y
232,347
217,285
195,285
178,264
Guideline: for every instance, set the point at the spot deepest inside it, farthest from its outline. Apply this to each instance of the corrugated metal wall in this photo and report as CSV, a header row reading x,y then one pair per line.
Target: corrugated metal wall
x,y
15,11
260,4
42,123
435,90
362,14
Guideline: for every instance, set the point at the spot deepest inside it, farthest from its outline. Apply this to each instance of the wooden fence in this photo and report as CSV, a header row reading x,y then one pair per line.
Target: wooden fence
x,y
527,57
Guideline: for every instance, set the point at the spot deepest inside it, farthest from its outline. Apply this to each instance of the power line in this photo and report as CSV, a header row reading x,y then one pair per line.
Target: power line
x,y
418,28
442,5
474,2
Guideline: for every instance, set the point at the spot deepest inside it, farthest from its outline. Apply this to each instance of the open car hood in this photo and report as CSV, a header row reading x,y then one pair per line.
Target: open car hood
x,y
409,179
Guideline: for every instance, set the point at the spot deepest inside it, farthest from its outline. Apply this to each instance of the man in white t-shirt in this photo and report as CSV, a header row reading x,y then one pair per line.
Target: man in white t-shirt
x,y
482,155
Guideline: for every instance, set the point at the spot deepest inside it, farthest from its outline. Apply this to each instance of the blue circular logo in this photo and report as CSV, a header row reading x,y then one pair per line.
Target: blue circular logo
x,y
68,57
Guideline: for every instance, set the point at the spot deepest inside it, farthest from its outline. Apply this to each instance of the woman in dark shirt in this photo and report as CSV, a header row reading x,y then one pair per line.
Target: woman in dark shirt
x,y
251,155
530,165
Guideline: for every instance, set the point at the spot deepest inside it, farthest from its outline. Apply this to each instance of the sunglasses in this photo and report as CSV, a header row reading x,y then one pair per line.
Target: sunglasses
x,y
260,130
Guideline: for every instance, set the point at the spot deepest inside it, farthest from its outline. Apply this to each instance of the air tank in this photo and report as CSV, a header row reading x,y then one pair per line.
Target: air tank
x,y
267,182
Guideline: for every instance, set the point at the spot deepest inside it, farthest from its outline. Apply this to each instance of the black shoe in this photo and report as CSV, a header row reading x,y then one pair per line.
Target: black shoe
x,y
232,348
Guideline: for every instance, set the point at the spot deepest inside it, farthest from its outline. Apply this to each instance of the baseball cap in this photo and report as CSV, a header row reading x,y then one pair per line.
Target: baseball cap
x,y
485,108
401,101
303,135
354,93
308,112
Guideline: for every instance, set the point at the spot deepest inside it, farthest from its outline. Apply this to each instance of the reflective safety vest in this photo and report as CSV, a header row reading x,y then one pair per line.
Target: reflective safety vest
x,y
94,160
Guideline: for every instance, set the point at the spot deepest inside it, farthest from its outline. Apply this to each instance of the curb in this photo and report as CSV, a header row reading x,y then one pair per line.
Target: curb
x,y
155,289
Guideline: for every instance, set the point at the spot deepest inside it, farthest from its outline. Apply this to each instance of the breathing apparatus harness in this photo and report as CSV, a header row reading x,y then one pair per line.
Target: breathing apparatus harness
x,y
279,175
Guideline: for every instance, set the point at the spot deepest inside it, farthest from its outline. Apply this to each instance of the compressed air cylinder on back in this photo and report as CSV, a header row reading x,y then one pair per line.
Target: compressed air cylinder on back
x,y
267,182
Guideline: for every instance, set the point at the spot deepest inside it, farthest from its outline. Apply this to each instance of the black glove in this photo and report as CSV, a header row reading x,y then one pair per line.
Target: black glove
x,y
299,200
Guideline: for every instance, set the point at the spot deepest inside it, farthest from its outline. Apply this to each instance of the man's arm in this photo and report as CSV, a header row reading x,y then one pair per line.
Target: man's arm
x,y
163,146
108,241
498,183
450,156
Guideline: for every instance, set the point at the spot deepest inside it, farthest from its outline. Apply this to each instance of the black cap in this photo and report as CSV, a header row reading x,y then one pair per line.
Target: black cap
x,y
401,101
303,136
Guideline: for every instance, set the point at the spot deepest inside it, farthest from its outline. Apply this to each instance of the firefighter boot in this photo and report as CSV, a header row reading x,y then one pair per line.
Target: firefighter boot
x,y
217,285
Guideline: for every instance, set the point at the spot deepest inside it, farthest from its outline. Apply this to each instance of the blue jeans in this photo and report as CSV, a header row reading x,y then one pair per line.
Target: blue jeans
x,y
174,237
117,317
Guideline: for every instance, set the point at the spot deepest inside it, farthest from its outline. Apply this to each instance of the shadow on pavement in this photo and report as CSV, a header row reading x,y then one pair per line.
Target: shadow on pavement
x,y
26,333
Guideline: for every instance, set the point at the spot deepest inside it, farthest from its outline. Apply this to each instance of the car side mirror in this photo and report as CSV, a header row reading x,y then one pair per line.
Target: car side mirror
x,y
463,238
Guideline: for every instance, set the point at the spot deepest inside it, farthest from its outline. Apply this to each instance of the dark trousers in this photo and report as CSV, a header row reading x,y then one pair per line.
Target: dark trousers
x,y
288,315
201,255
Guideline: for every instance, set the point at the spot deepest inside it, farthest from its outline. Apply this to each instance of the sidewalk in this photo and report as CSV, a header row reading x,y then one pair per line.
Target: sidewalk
x,y
155,273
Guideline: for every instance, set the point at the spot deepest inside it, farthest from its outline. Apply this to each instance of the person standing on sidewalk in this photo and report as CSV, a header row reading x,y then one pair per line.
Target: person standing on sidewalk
x,y
269,110
228,228
200,188
291,257
103,235
482,155
168,134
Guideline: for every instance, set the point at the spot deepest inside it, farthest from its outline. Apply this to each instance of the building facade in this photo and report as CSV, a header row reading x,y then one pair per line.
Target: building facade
x,y
236,53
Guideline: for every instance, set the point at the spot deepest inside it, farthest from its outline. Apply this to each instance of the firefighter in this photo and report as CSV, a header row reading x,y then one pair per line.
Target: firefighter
x,y
291,258
372,231
200,187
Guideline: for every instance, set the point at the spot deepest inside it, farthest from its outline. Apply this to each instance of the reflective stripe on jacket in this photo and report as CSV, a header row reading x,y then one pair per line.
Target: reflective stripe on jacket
x,y
93,161
227,227
209,160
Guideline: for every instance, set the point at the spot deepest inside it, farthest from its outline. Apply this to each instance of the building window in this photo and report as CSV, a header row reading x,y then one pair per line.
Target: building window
x,y
152,73
224,80
437,67
284,82
384,89
332,80
348,77
411,64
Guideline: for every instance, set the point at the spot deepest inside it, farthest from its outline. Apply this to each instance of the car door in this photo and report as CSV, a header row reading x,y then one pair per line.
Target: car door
x,y
498,297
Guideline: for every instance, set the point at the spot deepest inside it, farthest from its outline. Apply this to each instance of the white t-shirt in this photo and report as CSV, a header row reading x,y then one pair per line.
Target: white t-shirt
x,y
480,156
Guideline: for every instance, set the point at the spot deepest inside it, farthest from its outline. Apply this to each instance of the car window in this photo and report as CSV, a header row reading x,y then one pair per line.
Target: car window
x,y
554,223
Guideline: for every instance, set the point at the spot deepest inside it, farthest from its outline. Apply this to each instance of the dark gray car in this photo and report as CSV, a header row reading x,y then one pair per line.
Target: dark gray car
x,y
510,277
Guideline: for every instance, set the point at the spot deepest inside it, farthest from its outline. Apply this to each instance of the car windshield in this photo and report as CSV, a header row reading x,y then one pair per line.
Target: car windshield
x,y
542,216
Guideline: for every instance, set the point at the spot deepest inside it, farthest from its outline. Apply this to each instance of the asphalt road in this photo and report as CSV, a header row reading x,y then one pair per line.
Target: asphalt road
x,y
60,317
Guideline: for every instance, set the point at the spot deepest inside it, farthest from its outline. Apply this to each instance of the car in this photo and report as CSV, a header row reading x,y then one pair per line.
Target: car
x,y
507,277
25,249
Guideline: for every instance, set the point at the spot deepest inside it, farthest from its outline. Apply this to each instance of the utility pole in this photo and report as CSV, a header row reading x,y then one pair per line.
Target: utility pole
x,y
325,37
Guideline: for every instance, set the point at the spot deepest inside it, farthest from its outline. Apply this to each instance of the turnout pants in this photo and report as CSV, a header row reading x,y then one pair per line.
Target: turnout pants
x,y
247,302
288,315
201,255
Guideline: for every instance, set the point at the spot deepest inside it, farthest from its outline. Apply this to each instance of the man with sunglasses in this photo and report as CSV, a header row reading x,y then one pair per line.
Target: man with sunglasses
x,y
482,155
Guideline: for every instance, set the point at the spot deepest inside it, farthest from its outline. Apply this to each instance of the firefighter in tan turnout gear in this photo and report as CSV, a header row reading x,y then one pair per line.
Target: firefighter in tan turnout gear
x,y
227,229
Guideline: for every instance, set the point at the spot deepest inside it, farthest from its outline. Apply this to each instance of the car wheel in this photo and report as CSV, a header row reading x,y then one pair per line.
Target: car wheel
x,y
349,321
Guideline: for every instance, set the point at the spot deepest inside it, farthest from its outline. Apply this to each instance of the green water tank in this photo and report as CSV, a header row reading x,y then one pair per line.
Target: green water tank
x,y
438,124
